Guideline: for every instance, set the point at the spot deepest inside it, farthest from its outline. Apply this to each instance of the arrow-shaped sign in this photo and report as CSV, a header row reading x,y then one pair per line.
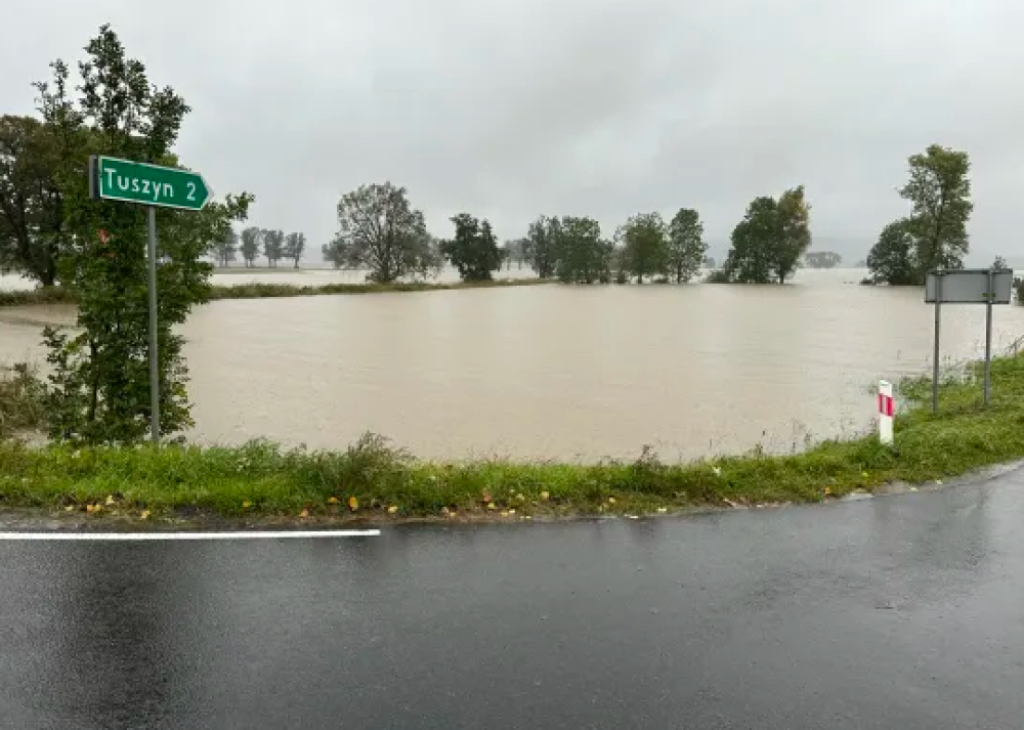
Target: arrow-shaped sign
x,y
137,182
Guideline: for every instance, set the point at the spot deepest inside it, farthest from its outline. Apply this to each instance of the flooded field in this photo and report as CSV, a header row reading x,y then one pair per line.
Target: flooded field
x,y
555,371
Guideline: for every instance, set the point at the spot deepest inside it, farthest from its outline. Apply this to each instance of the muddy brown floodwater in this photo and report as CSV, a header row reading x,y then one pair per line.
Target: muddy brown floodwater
x,y
557,371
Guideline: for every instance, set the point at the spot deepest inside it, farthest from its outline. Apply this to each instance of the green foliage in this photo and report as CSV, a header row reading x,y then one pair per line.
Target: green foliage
x,y
794,215
32,233
294,247
252,239
474,250
541,246
273,246
98,386
582,257
893,260
940,191
644,245
21,400
381,232
769,242
685,245
225,248
753,240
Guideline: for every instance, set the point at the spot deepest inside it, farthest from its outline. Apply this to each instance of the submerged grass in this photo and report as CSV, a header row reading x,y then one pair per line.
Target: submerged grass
x,y
263,290
382,482
43,295
253,290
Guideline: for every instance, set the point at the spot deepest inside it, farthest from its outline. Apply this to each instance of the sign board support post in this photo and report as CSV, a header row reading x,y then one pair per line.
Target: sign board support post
x,y
153,186
967,286
154,363
935,353
988,336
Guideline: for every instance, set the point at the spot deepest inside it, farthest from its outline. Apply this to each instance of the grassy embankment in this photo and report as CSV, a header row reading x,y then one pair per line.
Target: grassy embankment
x,y
56,295
263,480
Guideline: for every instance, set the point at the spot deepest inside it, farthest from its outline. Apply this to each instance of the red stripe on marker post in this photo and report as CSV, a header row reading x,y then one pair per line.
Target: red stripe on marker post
x,y
886,412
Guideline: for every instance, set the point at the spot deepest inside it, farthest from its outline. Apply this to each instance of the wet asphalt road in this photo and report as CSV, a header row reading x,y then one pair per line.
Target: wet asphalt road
x,y
902,612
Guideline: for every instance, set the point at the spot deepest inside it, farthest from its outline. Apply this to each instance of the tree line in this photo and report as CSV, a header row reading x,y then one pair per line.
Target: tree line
x,y
254,242
380,231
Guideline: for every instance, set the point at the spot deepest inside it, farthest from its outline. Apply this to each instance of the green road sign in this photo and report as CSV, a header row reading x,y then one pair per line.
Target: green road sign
x,y
137,182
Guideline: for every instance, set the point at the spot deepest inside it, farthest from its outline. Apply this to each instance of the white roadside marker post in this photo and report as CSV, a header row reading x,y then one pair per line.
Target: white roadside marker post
x,y
886,412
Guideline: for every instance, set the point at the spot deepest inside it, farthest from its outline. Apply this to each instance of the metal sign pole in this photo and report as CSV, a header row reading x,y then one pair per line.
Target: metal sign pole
x,y
988,336
935,354
154,364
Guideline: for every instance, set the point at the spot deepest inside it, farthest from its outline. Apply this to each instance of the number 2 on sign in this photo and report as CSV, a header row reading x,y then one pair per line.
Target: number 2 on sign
x,y
191,191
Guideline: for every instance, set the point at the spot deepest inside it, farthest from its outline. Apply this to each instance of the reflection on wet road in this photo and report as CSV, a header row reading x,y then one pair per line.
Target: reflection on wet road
x,y
893,612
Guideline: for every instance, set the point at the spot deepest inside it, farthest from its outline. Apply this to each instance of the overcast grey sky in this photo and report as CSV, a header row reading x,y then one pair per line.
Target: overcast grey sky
x,y
512,108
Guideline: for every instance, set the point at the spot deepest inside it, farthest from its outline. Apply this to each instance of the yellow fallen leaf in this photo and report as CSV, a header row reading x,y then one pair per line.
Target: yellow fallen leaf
x,y
246,504
304,513
353,503
520,497
145,514
70,508
492,506
511,511
828,491
89,508
864,474
110,499
393,509
611,500
333,500
545,496
453,513
662,510
504,514
97,508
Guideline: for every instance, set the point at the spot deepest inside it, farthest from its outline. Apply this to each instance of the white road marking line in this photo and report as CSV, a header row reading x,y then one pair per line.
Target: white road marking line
x,y
171,536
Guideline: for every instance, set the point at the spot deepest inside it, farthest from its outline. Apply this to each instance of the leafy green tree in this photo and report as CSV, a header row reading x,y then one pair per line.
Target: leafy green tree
x,y
294,246
225,248
252,238
893,260
940,191
541,248
769,242
98,387
379,231
685,245
795,235
474,250
335,253
644,245
273,247
32,233
582,256
751,258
